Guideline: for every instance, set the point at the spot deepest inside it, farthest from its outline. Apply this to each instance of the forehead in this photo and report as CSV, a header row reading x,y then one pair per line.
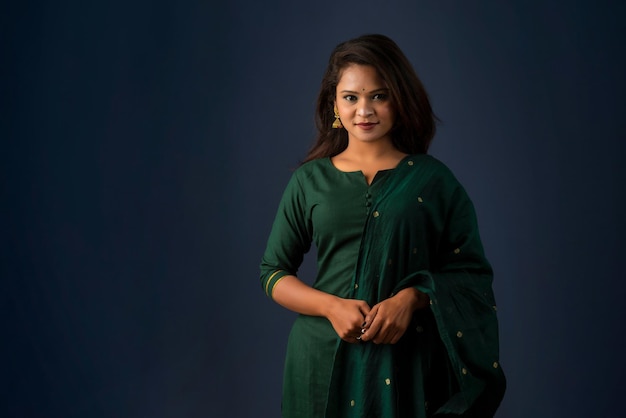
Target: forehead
x,y
356,75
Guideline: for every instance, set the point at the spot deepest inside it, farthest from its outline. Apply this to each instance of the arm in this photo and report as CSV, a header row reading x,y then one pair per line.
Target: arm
x,y
345,315
290,238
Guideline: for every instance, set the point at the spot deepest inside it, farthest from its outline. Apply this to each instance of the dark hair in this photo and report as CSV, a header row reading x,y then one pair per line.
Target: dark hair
x,y
415,121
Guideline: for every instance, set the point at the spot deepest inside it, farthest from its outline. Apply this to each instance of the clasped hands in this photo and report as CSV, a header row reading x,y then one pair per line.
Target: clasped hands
x,y
383,323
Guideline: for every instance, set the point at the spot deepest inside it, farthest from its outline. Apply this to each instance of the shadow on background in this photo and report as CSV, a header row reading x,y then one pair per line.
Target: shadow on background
x,y
145,147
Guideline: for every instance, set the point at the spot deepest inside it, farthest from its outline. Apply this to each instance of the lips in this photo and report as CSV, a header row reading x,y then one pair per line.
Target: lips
x,y
366,125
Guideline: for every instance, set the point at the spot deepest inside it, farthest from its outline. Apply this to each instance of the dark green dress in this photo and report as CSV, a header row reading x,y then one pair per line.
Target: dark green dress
x,y
413,226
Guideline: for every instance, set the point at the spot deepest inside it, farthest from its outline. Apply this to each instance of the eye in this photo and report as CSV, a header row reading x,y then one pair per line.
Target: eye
x,y
380,97
350,98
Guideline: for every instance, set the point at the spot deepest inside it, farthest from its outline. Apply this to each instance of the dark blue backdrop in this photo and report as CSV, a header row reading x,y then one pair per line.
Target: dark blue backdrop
x,y
145,146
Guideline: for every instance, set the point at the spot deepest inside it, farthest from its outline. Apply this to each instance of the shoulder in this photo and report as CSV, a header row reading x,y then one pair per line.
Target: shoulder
x,y
434,166
429,173
314,165
312,168
306,175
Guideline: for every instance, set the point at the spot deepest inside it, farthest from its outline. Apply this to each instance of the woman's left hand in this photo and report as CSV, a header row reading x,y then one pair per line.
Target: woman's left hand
x,y
388,320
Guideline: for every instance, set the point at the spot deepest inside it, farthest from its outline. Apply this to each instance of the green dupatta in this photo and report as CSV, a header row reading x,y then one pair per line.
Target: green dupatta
x,y
422,232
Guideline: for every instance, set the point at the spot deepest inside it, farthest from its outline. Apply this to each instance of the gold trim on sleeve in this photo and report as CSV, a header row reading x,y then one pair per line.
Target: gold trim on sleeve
x,y
277,281
267,284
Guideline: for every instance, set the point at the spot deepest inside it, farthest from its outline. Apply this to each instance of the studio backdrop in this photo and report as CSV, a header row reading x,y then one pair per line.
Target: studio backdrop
x,y
145,147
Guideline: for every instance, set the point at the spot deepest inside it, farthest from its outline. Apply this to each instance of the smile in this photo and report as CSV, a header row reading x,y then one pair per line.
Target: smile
x,y
366,125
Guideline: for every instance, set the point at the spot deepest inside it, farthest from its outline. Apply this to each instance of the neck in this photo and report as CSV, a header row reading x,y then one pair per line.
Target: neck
x,y
369,151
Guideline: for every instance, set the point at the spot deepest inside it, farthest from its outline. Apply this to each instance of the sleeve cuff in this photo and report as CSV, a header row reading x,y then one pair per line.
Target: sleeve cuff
x,y
272,280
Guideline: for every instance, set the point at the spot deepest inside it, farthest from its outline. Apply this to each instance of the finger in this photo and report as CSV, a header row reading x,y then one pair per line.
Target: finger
x,y
353,339
386,332
349,338
382,337
364,308
396,338
373,329
370,316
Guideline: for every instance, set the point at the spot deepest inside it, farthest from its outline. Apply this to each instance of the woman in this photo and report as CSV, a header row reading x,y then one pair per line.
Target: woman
x,y
400,321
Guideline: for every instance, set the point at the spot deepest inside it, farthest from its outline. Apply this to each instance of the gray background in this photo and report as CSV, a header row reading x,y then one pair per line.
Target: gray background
x,y
145,146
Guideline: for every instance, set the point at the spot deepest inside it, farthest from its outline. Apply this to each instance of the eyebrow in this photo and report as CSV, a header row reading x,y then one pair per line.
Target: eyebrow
x,y
373,91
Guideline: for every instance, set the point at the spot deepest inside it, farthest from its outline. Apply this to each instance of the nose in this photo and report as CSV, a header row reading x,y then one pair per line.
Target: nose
x,y
364,108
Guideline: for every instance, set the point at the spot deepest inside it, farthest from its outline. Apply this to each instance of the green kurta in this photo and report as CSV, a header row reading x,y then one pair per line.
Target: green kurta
x,y
413,226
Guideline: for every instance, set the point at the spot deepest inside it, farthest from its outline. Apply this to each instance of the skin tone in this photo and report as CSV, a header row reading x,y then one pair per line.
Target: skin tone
x,y
365,111
362,100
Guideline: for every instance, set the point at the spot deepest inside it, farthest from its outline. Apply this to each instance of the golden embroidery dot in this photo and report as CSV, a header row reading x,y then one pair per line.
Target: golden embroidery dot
x,y
459,334
464,370
495,364
410,163
376,214
356,285
456,251
419,199
352,402
388,381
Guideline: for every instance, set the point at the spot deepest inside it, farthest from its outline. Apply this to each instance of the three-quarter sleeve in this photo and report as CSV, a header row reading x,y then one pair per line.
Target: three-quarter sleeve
x,y
290,237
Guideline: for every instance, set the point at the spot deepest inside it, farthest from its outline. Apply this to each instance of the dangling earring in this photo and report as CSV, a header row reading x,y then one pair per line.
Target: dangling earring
x,y
337,123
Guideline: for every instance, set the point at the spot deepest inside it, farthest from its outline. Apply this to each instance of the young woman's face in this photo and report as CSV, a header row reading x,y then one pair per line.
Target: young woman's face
x,y
363,103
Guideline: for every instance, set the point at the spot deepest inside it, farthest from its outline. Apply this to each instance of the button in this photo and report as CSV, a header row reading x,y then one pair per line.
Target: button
x,y
387,381
456,251
352,403
495,364
464,370
375,214
410,162
419,199
459,334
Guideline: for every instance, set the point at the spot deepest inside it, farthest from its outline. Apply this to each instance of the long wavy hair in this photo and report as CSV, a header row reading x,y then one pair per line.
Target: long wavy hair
x,y
415,122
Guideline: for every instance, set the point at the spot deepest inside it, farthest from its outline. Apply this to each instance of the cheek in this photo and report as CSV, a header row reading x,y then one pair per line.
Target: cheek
x,y
389,112
344,110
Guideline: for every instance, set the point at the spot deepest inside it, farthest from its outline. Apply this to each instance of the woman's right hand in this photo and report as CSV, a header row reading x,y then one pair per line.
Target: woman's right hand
x,y
347,317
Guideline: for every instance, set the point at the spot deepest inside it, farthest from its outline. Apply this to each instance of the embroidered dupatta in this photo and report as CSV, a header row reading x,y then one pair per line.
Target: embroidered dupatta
x,y
422,232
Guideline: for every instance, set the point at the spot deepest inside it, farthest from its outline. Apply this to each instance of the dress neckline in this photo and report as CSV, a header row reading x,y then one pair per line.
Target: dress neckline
x,y
379,174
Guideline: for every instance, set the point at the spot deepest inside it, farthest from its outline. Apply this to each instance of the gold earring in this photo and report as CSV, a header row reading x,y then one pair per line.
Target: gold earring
x,y
337,123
